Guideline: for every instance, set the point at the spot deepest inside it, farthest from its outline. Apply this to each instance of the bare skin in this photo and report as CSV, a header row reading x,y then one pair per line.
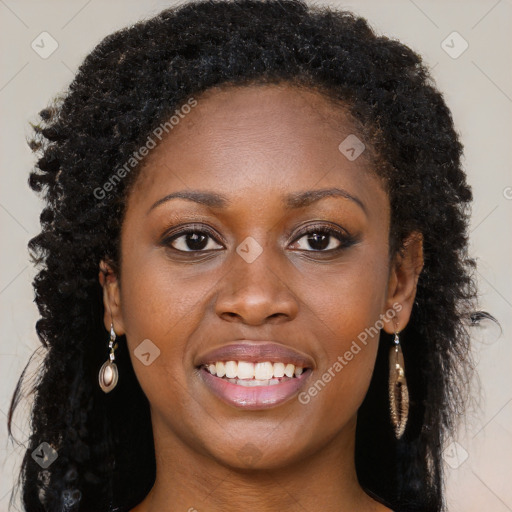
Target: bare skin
x,y
255,145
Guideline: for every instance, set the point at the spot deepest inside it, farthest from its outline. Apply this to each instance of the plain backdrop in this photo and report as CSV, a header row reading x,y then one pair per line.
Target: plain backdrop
x,y
477,84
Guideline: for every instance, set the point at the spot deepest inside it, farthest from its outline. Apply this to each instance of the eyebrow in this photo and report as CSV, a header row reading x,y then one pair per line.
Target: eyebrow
x,y
292,201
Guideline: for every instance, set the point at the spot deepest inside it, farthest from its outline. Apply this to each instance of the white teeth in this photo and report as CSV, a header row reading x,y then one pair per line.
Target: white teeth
x,y
245,370
289,370
253,374
231,369
278,369
263,371
221,370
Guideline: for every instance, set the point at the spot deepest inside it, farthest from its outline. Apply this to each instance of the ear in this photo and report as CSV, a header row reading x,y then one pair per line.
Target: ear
x,y
403,279
111,298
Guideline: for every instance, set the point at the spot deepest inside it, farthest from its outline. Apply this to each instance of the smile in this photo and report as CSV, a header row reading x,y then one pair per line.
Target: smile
x,y
248,385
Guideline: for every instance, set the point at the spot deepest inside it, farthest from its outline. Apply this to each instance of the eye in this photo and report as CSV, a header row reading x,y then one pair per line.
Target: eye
x,y
322,239
192,240
314,239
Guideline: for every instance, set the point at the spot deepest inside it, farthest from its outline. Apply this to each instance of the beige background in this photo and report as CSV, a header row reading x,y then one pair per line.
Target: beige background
x,y
478,89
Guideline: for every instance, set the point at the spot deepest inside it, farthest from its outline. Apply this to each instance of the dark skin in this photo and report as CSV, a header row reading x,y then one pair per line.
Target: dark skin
x,y
254,145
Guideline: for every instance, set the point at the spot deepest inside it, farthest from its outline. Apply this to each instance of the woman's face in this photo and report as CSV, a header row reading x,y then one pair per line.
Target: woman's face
x,y
286,242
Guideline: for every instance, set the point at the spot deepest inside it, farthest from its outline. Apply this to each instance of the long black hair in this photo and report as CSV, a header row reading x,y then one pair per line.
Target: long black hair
x,y
132,82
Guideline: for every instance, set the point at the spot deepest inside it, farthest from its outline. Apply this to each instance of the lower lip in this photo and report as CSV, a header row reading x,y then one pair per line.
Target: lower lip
x,y
256,397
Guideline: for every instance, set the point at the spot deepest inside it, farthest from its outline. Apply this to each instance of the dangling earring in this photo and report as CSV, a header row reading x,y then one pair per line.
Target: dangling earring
x,y
108,372
398,392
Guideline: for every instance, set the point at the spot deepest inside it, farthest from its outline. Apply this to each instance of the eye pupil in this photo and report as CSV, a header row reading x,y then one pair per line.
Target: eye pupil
x,y
195,241
318,241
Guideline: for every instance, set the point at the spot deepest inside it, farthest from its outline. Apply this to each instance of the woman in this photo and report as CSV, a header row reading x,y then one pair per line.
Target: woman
x,y
254,286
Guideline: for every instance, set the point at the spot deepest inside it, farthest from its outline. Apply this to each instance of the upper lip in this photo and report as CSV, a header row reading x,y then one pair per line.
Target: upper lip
x,y
256,351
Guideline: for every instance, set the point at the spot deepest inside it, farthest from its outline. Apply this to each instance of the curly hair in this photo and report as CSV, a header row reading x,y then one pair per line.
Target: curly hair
x,y
134,80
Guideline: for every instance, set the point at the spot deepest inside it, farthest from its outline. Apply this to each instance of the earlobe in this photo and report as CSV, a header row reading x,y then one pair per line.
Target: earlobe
x,y
111,298
403,280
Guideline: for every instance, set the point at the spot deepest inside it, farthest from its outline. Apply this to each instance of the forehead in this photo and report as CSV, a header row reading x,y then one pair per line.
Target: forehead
x,y
261,137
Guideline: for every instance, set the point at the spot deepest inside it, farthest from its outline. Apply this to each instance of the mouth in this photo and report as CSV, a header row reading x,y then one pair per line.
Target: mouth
x,y
264,375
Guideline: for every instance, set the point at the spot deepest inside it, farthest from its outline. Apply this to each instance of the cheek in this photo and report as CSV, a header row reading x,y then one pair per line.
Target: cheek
x,y
348,311
160,306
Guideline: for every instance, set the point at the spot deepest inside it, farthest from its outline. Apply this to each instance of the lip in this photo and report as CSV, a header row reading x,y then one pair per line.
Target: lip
x,y
257,397
254,398
256,352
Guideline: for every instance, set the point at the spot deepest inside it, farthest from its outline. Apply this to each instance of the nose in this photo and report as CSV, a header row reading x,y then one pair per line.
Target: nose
x,y
256,293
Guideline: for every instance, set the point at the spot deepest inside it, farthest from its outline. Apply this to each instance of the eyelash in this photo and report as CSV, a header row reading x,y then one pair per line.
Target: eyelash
x,y
345,240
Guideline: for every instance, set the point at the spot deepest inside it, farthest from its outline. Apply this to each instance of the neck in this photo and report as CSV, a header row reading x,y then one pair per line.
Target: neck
x,y
187,480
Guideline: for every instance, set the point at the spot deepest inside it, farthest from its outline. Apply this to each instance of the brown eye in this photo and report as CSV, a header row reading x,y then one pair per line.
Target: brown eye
x,y
322,239
192,240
